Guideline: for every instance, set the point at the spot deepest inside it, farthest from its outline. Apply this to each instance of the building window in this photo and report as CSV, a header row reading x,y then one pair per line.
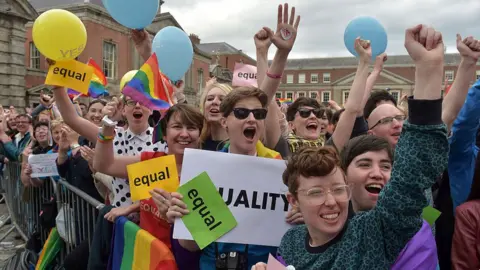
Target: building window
x,y
109,59
314,78
34,56
395,94
301,78
478,75
345,96
200,80
449,76
313,94
290,78
326,77
301,94
278,95
326,96
289,95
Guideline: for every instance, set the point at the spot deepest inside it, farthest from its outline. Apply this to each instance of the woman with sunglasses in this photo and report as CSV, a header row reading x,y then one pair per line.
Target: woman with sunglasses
x,y
243,114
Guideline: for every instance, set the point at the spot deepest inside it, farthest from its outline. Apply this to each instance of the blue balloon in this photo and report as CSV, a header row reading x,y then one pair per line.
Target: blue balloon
x,y
174,52
132,14
367,28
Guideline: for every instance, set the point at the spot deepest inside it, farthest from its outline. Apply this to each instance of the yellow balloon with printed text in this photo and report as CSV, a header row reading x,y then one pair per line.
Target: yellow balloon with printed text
x,y
127,77
59,35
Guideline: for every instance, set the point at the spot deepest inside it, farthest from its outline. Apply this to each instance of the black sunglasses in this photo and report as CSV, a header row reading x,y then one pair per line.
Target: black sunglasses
x,y
305,113
243,113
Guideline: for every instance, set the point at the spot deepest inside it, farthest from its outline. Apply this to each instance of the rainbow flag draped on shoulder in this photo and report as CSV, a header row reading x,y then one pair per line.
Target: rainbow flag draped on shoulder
x,y
136,249
98,83
150,87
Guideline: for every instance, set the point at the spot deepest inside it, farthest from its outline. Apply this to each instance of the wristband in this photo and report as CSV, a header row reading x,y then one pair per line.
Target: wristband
x,y
273,76
104,139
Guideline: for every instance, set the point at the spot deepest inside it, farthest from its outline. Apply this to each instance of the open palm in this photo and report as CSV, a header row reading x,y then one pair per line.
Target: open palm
x,y
286,33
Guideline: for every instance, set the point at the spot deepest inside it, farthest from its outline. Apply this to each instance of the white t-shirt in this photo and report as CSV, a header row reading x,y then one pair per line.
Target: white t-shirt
x,y
127,143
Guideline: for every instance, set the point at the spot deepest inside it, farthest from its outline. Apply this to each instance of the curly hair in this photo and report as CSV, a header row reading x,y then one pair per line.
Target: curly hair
x,y
310,162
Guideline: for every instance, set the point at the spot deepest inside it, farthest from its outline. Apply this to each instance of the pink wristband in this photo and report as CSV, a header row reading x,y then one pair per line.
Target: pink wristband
x,y
273,76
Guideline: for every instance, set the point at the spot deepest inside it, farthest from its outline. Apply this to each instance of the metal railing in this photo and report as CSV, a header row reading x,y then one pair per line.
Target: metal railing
x,y
25,204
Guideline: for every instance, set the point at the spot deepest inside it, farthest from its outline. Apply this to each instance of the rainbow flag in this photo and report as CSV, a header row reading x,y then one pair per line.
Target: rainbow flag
x,y
98,83
287,101
136,249
150,87
50,249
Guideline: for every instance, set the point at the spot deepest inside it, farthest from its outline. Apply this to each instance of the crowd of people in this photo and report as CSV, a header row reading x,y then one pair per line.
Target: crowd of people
x,y
358,176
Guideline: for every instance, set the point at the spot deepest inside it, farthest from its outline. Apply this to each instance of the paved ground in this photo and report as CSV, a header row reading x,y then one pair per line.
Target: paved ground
x,y
13,241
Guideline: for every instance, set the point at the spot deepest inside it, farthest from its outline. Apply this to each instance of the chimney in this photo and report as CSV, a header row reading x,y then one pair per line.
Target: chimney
x,y
195,39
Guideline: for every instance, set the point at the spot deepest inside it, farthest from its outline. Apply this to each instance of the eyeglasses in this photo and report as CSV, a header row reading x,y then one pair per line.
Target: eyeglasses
x,y
318,195
243,113
389,120
131,103
305,113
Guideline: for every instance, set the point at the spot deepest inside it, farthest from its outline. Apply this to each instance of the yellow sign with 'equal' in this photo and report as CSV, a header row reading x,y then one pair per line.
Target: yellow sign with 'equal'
x,y
154,173
71,74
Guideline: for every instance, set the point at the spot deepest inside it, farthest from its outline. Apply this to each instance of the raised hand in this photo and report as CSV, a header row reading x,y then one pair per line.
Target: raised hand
x,y
88,154
364,50
114,109
286,33
379,61
262,40
424,45
469,48
143,43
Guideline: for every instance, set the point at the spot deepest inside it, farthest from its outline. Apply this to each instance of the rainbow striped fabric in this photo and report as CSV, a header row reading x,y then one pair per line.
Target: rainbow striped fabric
x,y
136,249
287,101
98,83
150,87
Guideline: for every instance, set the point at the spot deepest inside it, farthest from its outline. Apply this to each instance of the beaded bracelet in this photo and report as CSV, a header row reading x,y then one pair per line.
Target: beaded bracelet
x,y
104,139
273,76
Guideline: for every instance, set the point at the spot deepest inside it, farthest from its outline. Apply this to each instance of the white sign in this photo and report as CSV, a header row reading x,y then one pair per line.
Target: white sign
x,y
252,188
43,165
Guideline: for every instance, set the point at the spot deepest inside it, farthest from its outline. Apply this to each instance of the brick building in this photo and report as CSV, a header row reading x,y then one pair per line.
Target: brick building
x,y
108,44
331,78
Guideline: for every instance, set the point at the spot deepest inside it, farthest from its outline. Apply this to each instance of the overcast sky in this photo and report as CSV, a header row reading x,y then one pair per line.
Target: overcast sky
x,y
323,21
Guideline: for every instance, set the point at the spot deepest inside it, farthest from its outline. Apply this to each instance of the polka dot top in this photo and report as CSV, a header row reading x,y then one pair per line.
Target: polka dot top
x,y
127,143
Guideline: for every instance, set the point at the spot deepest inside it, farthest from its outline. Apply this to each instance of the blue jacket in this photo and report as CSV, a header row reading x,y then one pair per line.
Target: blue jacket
x,y
463,150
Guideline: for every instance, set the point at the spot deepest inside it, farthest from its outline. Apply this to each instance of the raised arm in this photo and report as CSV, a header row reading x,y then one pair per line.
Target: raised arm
x,y
272,130
353,107
469,50
421,153
372,78
70,116
104,160
463,154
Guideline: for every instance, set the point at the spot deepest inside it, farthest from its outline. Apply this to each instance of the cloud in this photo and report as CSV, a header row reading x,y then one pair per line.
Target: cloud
x,y
322,22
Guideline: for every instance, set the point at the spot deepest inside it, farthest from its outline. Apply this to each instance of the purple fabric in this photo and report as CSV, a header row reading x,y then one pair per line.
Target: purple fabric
x,y
420,252
281,260
185,259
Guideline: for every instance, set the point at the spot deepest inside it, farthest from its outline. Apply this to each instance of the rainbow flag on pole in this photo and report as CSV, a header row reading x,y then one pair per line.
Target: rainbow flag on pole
x,y
150,87
98,83
136,249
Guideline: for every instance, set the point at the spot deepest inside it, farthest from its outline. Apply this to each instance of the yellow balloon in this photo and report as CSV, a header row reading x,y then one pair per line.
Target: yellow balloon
x,y
59,35
126,78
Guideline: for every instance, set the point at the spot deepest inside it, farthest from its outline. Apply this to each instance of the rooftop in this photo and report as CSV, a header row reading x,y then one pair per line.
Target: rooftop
x,y
41,4
348,62
220,48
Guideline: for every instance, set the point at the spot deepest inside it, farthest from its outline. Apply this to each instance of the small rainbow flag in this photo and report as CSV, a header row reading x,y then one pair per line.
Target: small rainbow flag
x,y
98,83
150,87
136,249
287,101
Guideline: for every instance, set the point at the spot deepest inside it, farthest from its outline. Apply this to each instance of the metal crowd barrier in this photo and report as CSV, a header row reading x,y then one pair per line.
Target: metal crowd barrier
x,y
24,205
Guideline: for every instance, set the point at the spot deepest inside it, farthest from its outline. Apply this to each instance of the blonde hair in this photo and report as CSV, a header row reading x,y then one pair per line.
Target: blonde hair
x,y
206,131
55,123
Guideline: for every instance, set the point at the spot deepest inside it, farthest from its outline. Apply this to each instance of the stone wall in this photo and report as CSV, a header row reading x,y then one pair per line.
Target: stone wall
x,y
12,59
